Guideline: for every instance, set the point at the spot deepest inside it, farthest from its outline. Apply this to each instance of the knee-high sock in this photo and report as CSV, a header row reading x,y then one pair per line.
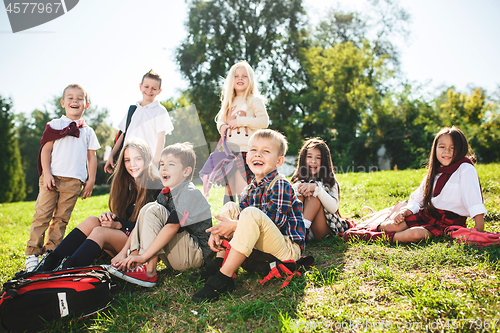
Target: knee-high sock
x,y
70,243
86,253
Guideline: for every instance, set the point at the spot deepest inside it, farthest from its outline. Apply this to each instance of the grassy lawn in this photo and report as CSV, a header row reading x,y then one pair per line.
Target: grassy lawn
x,y
432,286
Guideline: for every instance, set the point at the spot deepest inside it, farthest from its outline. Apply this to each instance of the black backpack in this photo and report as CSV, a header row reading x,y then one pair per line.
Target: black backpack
x,y
33,299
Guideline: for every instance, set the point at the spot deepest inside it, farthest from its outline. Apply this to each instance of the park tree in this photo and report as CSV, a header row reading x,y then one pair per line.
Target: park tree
x,y
12,186
405,125
265,33
381,22
477,115
342,91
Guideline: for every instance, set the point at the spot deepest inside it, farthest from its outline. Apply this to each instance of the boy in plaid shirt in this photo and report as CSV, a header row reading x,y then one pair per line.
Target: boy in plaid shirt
x,y
269,218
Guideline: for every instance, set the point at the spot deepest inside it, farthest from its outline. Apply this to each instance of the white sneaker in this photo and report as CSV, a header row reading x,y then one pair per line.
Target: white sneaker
x,y
31,262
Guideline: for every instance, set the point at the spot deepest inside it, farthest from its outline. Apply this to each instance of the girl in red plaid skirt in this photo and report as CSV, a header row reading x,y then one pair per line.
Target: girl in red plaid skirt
x,y
242,112
449,193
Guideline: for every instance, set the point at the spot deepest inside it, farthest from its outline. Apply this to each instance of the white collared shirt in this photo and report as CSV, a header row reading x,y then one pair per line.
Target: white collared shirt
x,y
461,194
69,154
146,123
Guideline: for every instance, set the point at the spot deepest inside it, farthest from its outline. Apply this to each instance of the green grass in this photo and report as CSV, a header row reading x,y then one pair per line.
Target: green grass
x,y
436,285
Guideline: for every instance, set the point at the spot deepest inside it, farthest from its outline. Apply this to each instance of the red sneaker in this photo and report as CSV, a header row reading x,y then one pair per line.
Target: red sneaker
x,y
135,275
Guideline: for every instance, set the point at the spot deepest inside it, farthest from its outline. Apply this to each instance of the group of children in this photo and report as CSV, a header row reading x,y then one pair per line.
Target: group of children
x,y
160,214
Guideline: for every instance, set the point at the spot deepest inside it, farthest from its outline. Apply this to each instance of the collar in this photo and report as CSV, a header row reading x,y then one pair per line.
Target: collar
x,y
179,187
267,179
66,119
150,105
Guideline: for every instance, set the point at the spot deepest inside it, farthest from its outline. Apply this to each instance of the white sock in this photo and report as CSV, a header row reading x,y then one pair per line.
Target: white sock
x,y
310,235
307,223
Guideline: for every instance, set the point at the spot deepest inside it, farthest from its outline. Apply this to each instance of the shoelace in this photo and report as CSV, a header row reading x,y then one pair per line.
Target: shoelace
x,y
138,269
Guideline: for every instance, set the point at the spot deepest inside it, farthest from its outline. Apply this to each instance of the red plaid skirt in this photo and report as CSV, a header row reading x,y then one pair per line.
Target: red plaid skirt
x,y
436,222
240,165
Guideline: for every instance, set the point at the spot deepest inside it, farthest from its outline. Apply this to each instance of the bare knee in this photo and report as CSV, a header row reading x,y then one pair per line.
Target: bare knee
x,y
89,224
412,235
97,234
391,226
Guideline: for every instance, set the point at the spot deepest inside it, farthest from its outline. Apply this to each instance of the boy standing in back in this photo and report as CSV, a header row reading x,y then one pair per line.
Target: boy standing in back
x,y
150,121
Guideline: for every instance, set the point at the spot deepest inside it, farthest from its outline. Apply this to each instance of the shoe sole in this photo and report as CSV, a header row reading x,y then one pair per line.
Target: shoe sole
x,y
116,273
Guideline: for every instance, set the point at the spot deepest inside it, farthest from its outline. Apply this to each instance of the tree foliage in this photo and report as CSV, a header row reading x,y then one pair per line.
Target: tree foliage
x,y
342,90
12,186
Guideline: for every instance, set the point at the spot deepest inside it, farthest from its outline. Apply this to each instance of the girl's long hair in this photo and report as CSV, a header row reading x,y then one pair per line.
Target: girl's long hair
x,y
228,93
326,173
125,190
461,149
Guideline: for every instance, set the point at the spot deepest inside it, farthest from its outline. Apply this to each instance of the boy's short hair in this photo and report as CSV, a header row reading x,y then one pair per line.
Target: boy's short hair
x,y
76,85
184,152
276,137
152,75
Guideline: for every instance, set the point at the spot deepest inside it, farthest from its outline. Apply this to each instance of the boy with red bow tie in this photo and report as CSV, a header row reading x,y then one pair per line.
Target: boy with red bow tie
x,y
66,158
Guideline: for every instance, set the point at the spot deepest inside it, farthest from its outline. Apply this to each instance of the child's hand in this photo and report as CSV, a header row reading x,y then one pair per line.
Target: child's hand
x,y
232,124
48,181
133,261
223,130
107,216
400,217
479,222
118,259
87,190
225,228
111,224
215,243
306,189
108,167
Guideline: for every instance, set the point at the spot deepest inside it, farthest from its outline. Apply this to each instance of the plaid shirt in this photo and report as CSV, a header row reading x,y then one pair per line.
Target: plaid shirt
x,y
280,204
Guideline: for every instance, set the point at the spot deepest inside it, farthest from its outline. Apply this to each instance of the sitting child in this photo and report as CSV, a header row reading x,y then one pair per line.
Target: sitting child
x,y
172,228
316,186
448,194
269,217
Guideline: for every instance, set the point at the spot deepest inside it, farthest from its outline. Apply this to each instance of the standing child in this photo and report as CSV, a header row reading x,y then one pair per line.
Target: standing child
x,y
150,121
269,218
135,183
315,184
172,228
242,112
449,193
67,151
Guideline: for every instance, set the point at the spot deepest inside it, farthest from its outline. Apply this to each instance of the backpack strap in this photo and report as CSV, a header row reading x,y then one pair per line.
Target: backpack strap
x,y
131,111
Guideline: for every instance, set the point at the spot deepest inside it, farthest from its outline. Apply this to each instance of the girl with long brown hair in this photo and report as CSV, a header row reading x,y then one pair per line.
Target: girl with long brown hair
x,y
135,183
449,193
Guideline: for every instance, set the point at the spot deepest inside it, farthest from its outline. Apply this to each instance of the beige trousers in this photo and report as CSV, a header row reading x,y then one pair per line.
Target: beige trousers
x,y
55,205
181,253
256,230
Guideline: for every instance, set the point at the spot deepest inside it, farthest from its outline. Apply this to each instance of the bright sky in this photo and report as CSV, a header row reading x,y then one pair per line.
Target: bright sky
x,y
108,45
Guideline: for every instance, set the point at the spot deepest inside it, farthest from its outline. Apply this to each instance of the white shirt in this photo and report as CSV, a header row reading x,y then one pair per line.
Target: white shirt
x,y
461,194
69,154
146,123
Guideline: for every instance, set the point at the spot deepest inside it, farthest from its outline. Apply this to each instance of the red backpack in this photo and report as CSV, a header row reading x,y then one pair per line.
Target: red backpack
x,y
472,236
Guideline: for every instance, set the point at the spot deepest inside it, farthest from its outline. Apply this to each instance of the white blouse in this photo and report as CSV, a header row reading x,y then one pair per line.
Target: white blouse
x,y
461,194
